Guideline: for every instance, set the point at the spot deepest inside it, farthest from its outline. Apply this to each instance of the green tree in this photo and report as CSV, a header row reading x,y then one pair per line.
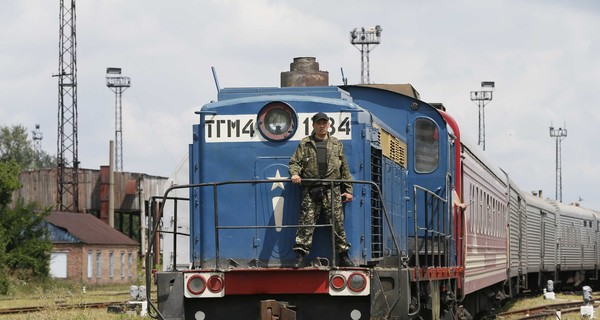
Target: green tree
x,y
24,243
9,172
9,181
28,244
15,145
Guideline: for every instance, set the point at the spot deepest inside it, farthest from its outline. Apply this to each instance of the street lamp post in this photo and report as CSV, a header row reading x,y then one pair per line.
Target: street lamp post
x,y
559,134
118,84
362,39
482,98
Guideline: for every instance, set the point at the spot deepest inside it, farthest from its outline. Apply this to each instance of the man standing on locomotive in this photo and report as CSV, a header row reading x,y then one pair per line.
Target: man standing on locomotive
x,y
320,156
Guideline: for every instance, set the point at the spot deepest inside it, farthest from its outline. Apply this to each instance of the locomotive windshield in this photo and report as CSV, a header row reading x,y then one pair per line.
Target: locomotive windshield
x,y
426,145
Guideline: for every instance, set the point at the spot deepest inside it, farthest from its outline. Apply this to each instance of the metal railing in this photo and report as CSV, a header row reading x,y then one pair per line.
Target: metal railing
x,y
436,230
214,185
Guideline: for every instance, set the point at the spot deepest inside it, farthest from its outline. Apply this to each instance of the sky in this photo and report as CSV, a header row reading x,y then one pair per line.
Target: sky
x,y
543,55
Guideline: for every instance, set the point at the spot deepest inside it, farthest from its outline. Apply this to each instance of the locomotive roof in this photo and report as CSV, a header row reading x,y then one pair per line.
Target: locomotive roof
x,y
405,89
259,92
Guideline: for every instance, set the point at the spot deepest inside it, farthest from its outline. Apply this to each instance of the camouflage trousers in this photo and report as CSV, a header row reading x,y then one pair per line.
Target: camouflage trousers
x,y
310,213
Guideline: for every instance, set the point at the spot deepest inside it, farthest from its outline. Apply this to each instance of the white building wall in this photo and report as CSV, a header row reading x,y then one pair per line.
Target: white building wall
x,y
182,254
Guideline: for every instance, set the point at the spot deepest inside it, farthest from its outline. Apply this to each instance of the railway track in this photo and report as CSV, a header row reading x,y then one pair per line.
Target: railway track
x,y
542,312
91,305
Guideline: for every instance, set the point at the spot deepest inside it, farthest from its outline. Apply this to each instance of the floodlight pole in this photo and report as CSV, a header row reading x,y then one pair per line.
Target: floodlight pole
x,y
482,98
362,39
559,134
118,84
37,139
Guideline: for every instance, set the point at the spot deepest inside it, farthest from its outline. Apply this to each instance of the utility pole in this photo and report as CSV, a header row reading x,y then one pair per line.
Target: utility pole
x,y
362,39
483,97
67,163
118,84
560,134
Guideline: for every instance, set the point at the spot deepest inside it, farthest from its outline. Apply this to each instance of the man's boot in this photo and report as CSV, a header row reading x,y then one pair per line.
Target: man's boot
x,y
345,260
299,258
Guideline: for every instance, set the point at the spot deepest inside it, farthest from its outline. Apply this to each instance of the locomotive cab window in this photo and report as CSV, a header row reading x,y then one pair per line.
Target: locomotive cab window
x,y
426,145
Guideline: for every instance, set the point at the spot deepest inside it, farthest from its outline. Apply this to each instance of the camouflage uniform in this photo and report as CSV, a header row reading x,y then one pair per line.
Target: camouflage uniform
x,y
304,163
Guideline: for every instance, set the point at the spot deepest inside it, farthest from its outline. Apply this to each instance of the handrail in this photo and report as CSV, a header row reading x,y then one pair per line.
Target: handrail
x,y
175,233
433,196
331,182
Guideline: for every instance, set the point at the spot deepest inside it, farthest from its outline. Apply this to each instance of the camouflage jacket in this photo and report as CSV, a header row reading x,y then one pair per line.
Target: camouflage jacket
x,y
304,161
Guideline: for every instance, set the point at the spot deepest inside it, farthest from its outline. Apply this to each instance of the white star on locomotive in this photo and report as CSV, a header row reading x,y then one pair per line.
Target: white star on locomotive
x,y
277,184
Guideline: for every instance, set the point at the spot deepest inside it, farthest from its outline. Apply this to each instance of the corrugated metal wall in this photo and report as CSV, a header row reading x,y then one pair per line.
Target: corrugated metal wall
x,y
41,186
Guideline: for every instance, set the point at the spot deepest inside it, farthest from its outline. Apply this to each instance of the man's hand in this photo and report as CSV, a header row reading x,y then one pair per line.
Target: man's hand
x,y
296,179
346,197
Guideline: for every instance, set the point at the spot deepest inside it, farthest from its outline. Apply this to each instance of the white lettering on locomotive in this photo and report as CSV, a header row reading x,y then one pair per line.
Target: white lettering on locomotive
x,y
243,127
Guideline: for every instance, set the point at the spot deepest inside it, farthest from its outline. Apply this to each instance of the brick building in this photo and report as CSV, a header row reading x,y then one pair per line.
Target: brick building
x,y
88,250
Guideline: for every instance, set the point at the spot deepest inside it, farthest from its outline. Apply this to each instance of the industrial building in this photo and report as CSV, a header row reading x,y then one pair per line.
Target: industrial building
x,y
85,247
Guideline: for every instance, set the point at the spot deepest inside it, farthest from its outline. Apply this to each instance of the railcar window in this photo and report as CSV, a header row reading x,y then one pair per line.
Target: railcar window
x,y
426,145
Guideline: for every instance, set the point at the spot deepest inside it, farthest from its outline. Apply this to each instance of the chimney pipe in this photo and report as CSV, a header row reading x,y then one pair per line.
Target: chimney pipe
x,y
304,72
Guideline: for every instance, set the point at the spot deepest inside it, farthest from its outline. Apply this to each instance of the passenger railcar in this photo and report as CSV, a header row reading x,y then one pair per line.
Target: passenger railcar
x,y
434,224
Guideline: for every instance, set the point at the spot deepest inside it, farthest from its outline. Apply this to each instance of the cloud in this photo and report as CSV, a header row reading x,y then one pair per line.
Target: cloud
x,y
541,54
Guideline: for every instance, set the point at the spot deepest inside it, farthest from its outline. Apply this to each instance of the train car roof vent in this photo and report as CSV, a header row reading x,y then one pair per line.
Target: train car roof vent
x,y
304,72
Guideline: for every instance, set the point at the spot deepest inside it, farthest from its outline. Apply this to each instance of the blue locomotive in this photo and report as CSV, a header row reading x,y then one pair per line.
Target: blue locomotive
x,y
434,226
244,210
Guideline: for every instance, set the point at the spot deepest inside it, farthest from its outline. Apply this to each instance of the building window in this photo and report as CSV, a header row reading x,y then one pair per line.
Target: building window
x,y
122,265
129,264
90,264
98,264
111,265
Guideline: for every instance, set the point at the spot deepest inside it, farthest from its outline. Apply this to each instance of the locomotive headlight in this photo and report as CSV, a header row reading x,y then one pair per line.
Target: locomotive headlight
x,y
357,282
349,283
204,285
196,284
338,282
277,121
215,283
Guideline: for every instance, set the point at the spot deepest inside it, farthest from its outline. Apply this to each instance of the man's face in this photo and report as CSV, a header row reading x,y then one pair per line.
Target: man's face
x,y
321,127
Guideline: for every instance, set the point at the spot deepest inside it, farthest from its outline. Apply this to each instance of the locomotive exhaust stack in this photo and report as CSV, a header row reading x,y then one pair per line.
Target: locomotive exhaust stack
x,y
304,72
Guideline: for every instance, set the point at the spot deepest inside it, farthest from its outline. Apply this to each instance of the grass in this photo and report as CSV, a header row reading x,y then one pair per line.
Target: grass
x,y
538,300
50,294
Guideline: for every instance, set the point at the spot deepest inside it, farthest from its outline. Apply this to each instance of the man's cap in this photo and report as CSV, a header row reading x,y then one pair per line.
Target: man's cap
x,y
320,116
